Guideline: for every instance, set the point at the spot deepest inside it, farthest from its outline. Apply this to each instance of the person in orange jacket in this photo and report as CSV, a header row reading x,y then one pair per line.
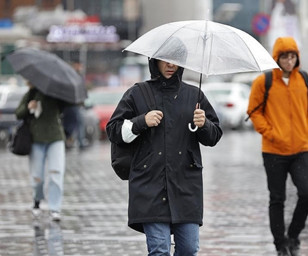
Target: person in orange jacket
x,y
283,124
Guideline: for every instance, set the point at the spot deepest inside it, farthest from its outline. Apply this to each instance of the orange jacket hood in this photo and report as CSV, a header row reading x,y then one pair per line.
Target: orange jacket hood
x,y
285,44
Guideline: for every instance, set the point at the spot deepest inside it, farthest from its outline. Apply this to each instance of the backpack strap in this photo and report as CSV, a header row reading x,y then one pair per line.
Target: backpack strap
x,y
149,98
148,94
267,85
305,76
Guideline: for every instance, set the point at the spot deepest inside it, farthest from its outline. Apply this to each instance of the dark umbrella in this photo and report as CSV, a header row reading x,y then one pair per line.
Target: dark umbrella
x,y
49,74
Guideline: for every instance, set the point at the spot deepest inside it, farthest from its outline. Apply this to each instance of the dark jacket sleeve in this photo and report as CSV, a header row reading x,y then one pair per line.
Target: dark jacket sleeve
x,y
22,111
139,124
125,110
211,132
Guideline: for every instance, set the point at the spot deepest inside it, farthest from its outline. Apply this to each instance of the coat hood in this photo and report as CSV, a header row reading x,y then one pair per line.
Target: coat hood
x,y
155,74
285,44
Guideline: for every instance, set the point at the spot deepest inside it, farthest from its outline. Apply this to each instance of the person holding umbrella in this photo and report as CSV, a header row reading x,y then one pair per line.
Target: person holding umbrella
x,y
53,85
283,124
43,113
165,182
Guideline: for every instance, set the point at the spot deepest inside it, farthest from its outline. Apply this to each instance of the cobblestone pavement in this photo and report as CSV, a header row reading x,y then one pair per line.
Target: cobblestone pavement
x,y
95,206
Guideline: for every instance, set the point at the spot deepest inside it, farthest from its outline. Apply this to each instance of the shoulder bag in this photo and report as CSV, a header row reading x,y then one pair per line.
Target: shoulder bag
x,y
20,141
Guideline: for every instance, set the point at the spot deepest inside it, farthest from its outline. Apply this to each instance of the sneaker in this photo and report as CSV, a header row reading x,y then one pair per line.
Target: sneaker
x,y
55,216
36,212
294,246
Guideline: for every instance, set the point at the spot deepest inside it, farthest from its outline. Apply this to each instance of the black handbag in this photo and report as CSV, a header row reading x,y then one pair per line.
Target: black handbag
x,y
20,141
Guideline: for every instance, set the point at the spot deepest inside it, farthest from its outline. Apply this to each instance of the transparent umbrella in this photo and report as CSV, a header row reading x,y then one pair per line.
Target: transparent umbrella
x,y
206,47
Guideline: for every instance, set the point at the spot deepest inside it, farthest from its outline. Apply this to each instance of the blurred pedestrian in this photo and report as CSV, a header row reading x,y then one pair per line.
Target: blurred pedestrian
x,y
47,149
284,21
165,181
74,127
283,124
73,120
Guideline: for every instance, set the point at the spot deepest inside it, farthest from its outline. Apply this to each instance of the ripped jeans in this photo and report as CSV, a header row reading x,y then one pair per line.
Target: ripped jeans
x,y
53,156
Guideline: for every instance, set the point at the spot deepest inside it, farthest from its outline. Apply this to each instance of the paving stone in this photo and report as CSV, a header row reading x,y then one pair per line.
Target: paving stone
x,y
95,205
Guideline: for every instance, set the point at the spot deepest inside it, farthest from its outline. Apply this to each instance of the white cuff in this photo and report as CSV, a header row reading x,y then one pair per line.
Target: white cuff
x,y
38,110
127,134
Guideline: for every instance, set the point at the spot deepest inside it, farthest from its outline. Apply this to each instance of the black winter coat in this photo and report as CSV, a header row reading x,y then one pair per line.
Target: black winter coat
x,y
165,183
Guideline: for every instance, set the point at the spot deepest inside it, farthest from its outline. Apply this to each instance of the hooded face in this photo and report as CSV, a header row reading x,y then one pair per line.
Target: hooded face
x,y
287,61
166,69
286,53
156,72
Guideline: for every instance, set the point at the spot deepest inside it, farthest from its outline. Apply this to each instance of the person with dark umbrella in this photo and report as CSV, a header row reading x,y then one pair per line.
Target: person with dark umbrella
x,y
53,84
43,114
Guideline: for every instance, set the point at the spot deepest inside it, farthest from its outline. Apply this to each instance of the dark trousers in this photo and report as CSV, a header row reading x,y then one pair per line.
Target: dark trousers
x,y
277,168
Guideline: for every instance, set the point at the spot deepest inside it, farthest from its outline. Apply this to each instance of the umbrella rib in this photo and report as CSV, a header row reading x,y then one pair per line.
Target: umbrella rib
x,y
251,53
209,59
203,52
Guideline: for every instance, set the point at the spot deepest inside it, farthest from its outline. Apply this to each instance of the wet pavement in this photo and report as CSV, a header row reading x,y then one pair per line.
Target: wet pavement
x,y
95,205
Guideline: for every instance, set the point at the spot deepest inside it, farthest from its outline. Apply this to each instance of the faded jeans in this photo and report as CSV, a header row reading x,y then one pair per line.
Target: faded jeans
x,y
51,155
277,168
158,235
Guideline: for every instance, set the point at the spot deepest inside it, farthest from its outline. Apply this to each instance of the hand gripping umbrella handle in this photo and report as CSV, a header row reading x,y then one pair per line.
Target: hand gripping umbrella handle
x,y
196,127
198,105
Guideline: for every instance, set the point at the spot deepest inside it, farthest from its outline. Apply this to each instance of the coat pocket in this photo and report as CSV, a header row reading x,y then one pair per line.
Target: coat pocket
x,y
143,158
279,142
194,160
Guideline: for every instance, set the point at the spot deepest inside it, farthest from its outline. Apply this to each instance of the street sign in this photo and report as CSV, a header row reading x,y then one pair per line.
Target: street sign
x,y
260,23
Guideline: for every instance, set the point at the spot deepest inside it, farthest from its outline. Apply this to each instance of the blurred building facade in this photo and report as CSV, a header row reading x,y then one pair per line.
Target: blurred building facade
x,y
7,7
95,32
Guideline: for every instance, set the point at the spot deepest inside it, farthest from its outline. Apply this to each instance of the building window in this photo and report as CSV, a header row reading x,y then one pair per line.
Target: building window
x,y
112,9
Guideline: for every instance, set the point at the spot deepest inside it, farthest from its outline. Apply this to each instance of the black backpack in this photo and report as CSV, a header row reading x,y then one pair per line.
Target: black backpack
x,y
268,84
122,154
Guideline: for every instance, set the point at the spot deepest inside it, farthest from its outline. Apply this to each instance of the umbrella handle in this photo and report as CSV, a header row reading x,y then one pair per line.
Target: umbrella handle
x,y
198,106
192,129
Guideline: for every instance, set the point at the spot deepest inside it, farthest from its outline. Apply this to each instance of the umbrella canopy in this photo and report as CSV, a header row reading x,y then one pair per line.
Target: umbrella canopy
x,y
49,74
203,46
206,47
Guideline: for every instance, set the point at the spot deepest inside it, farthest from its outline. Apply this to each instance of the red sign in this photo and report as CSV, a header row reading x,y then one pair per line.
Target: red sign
x,y
85,20
260,23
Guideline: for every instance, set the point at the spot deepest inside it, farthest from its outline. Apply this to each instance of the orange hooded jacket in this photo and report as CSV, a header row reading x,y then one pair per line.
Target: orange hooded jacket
x,y
284,124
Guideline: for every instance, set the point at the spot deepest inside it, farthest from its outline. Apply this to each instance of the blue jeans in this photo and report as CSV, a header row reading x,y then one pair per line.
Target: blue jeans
x,y
158,235
53,156
277,168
